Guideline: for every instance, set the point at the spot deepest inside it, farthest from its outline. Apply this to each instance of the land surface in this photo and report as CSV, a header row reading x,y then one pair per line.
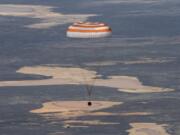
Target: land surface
x,y
133,75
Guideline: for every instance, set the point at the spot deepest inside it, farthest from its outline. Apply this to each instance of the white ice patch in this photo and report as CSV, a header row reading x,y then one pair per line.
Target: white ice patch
x,y
48,17
79,76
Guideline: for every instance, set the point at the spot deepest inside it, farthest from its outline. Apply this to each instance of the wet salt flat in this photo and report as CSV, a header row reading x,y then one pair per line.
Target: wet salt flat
x,y
135,73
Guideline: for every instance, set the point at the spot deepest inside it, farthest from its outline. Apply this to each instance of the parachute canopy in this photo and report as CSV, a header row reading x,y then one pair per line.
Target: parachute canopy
x,y
88,30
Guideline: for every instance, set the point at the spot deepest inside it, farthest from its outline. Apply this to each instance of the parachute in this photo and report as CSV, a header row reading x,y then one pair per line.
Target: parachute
x,y
88,30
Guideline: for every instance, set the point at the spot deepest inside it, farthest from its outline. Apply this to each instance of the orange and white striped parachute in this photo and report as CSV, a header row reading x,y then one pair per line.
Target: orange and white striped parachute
x,y
88,30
